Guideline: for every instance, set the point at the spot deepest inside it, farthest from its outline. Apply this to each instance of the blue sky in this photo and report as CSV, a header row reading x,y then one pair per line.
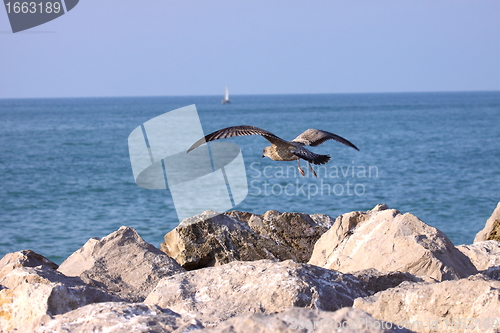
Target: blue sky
x,y
160,47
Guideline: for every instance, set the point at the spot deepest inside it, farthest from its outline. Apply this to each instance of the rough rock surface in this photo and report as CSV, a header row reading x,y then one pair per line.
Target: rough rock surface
x,y
122,263
39,274
35,291
117,318
215,294
25,258
387,240
345,320
493,272
373,281
27,304
438,307
210,239
491,230
483,254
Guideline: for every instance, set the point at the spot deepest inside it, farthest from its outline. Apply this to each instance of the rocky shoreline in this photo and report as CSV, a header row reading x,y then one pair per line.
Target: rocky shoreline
x,y
374,271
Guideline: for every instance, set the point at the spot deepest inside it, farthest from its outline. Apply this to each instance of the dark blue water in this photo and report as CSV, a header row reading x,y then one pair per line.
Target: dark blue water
x,y
65,173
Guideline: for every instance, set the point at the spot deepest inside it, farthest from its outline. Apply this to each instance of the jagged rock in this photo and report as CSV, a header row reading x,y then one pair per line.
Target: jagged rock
x,y
215,294
35,290
387,240
320,219
211,239
323,220
447,306
492,272
345,320
38,274
27,305
117,318
373,281
491,230
380,207
122,263
483,254
24,258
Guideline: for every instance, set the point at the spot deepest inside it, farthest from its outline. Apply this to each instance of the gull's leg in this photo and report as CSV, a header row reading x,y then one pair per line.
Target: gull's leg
x,y
300,169
312,170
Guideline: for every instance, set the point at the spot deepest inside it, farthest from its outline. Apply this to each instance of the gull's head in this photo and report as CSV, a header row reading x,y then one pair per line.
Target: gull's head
x,y
266,152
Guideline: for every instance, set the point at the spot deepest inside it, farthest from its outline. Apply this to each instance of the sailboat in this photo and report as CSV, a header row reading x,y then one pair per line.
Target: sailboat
x,y
226,98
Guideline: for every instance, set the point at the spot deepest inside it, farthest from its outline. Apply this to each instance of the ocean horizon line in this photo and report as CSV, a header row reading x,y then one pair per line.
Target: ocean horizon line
x,y
264,94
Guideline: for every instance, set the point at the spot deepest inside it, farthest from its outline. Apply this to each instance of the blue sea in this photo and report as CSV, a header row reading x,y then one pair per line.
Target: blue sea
x,y
66,176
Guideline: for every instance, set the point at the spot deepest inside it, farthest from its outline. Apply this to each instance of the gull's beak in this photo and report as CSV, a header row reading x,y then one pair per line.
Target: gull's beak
x,y
263,156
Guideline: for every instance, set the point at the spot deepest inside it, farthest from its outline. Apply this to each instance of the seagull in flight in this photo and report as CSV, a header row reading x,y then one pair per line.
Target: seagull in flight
x,y
282,150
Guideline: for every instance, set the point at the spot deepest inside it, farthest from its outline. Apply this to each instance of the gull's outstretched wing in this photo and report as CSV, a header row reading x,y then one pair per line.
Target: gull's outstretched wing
x,y
238,131
314,137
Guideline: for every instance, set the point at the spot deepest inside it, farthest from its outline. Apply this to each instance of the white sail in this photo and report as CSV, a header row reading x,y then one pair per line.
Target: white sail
x,y
226,97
